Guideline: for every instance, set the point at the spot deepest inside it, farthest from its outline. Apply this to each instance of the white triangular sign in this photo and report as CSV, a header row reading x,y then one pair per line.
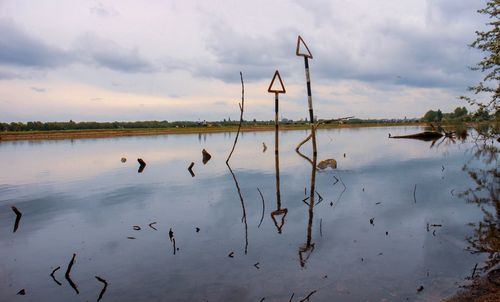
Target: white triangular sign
x,y
276,86
302,49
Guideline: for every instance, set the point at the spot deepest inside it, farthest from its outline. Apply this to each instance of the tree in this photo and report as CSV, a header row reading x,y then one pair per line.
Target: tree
x,y
488,42
439,115
430,116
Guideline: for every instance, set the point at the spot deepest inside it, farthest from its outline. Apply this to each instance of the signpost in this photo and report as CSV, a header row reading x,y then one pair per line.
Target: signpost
x,y
303,51
277,87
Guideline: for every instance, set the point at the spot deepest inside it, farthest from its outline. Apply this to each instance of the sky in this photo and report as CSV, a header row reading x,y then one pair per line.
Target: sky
x,y
124,60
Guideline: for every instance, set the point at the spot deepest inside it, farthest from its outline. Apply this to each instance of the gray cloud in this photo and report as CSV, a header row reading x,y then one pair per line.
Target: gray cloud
x,y
18,48
38,89
391,51
258,57
106,53
103,11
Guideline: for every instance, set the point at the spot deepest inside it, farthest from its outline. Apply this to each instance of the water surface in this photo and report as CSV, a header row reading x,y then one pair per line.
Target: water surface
x,y
370,232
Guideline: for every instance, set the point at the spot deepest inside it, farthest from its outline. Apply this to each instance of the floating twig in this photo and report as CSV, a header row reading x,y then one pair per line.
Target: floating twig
x,y
308,296
321,227
22,292
264,147
67,274
103,289
257,265
263,207
414,193
130,237
53,277
151,225
242,107
231,255
291,297
190,169
18,218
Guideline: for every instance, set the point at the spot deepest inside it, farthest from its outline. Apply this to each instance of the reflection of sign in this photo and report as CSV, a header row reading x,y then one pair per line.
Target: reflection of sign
x,y
278,213
275,87
302,49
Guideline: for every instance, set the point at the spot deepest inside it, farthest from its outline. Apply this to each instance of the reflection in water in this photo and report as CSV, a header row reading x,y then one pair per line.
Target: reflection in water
x,y
279,212
485,193
244,216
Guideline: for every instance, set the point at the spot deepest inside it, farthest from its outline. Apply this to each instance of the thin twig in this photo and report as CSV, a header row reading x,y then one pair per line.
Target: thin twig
x,y
67,276
263,207
103,289
53,277
308,296
242,107
414,193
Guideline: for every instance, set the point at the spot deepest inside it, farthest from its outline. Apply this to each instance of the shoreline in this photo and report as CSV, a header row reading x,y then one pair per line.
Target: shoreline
x,y
108,133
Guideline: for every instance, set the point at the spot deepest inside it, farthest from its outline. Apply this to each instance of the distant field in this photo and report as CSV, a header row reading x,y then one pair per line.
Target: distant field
x,y
78,134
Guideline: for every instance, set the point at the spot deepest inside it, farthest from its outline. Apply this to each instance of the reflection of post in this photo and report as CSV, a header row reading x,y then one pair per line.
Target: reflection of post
x,y
279,211
306,250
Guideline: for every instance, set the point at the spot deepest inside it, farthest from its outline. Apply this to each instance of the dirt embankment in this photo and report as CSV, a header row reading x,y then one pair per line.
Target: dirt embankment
x,y
483,289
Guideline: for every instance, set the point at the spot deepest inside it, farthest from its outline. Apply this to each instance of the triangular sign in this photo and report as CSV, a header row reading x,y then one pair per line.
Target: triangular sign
x,y
302,49
276,87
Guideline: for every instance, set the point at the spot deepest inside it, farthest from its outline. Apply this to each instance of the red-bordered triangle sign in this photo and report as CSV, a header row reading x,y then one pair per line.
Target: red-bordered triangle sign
x,y
276,89
302,49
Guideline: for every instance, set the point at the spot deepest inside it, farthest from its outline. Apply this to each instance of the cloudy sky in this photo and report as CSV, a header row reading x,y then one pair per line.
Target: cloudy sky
x,y
180,60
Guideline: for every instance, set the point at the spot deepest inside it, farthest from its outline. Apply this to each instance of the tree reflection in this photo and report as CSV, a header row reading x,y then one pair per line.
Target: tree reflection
x,y
485,194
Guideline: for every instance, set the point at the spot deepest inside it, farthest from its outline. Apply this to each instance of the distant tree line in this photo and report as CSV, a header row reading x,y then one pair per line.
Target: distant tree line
x,y
460,114
71,125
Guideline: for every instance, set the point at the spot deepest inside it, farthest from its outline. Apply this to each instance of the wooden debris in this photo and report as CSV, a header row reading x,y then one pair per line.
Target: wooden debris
x,y
206,156
231,255
424,136
22,292
142,165
242,108
130,237
327,163
257,265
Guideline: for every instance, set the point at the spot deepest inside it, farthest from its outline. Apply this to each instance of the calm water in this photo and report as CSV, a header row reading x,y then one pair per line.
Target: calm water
x,y
78,197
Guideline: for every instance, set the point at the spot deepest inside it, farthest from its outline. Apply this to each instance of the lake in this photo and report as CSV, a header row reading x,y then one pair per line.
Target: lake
x,y
389,224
